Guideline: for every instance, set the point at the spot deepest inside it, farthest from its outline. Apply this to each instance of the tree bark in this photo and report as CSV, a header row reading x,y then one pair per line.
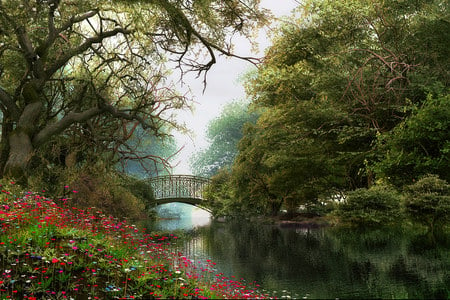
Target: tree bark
x,y
20,144
6,130
20,153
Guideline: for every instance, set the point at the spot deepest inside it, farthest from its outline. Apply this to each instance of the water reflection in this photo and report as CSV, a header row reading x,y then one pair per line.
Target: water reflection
x,y
180,216
328,262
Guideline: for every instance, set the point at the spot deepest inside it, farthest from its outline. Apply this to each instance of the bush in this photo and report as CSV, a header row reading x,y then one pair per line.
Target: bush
x,y
108,195
142,190
428,201
377,206
97,186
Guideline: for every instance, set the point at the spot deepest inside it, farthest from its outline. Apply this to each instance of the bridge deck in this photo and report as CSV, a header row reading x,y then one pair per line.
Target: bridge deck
x,y
179,188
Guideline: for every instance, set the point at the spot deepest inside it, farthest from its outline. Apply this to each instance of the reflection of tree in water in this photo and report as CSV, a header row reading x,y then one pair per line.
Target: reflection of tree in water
x,y
328,263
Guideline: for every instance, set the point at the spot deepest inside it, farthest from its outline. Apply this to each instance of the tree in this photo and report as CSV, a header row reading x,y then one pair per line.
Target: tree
x,y
281,161
335,79
418,146
70,66
250,176
223,134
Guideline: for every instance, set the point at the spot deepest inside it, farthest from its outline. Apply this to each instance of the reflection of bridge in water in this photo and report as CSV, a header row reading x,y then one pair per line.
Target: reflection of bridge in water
x,y
179,188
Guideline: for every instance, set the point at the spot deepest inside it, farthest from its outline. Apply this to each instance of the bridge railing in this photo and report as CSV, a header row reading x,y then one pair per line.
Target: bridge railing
x,y
178,187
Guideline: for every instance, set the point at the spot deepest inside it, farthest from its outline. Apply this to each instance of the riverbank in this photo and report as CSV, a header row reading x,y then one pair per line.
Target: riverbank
x,y
297,220
302,220
50,249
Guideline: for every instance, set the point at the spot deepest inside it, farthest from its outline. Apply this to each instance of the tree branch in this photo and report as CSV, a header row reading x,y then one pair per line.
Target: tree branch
x,y
131,117
42,49
51,129
184,33
83,47
77,19
11,106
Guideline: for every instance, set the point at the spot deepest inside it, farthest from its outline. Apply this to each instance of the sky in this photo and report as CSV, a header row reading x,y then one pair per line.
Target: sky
x,y
222,87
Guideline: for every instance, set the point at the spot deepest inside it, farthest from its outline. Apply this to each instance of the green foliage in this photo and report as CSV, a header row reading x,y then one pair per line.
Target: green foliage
x,y
141,190
339,90
108,193
250,175
419,145
83,75
219,193
223,134
427,201
99,186
376,206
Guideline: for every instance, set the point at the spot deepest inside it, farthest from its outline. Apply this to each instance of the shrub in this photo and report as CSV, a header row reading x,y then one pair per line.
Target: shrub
x,y
428,201
379,205
106,194
142,190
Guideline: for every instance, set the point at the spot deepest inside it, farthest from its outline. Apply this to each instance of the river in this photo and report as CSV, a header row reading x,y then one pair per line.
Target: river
x,y
322,262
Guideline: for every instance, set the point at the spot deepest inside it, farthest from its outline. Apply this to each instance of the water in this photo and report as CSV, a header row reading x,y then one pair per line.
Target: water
x,y
327,262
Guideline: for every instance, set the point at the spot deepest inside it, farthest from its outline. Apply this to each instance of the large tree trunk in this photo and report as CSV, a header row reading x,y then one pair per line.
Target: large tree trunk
x,y
20,153
20,140
7,127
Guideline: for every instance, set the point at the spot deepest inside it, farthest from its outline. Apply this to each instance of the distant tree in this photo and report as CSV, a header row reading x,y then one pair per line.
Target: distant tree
x,y
223,134
219,195
146,156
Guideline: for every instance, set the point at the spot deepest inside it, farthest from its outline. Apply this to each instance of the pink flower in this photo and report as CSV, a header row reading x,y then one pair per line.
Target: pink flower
x,y
55,260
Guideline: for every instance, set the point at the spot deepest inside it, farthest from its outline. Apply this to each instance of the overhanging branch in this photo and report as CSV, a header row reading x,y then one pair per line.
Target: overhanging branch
x,y
83,47
52,129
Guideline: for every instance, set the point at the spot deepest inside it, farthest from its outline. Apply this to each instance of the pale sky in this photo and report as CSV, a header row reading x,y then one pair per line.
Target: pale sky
x,y
222,87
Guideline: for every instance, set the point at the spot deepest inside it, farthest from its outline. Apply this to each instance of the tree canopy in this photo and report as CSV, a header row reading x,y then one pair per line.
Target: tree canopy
x,y
76,76
343,93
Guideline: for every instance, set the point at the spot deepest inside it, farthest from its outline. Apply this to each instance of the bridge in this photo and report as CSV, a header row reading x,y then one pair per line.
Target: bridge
x,y
179,188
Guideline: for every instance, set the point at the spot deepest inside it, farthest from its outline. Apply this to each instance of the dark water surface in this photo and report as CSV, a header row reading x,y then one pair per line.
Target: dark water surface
x,y
327,262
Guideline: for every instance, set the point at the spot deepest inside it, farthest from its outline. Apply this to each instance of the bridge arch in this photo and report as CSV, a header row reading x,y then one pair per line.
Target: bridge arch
x,y
187,189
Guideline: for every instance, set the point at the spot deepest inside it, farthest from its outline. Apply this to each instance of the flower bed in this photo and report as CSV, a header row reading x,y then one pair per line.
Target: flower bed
x,y
50,249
